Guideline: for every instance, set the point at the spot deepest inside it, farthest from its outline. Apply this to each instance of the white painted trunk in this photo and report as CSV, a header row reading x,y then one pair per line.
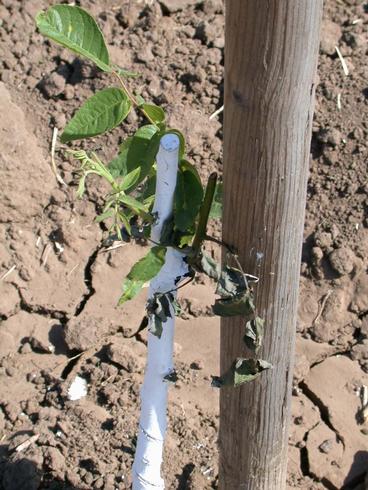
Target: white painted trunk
x,y
152,426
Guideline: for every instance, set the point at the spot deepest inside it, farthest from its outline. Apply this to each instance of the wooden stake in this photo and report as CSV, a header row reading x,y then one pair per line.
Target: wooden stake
x,y
271,58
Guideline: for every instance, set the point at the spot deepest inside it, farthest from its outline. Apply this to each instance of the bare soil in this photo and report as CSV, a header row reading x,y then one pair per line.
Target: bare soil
x,y
59,284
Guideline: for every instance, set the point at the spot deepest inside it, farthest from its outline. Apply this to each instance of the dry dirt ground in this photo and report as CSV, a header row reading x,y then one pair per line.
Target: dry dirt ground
x,y
59,284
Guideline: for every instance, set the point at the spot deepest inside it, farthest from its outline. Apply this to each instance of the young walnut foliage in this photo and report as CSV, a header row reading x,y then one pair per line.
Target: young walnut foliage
x,y
131,176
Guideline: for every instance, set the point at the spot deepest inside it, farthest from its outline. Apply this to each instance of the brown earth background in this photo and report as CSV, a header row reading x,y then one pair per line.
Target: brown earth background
x,y
59,282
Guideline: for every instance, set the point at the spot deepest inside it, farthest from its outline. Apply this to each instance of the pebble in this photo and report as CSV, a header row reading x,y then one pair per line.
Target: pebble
x,y
11,371
326,446
26,348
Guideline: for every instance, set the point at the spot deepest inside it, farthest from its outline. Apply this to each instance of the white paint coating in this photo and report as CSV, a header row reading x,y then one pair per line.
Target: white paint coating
x,y
152,425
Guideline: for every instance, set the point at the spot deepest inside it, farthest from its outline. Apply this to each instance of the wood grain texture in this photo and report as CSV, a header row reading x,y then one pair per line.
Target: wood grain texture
x,y
271,53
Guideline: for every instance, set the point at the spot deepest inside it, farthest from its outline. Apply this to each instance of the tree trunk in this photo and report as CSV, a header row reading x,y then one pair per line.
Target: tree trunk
x,y
270,64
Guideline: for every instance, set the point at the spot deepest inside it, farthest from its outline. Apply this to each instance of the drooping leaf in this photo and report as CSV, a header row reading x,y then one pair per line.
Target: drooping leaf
x,y
172,377
188,196
74,28
232,282
159,310
144,270
100,113
208,265
216,208
254,334
241,304
154,112
243,371
236,296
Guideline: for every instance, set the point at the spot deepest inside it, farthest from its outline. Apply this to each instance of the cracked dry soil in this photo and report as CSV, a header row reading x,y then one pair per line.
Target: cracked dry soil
x,y
59,284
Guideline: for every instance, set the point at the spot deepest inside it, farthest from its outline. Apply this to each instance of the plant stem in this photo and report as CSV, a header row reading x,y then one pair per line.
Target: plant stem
x,y
132,98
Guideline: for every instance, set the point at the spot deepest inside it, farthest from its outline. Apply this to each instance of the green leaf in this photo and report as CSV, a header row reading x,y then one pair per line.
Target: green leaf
x,y
138,151
130,290
144,270
216,208
132,203
243,371
142,150
254,334
233,306
154,112
125,73
75,29
103,216
131,179
100,113
188,196
118,166
81,186
140,100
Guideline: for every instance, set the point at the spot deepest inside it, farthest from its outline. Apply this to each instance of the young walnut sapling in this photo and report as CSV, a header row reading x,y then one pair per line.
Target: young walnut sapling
x,y
157,194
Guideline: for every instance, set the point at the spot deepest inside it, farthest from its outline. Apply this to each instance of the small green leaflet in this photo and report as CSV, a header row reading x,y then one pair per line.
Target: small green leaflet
x,y
216,208
144,270
188,196
130,180
75,29
125,73
158,311
254,333
81,186
100,113
242,371
103,216
132,203
154,112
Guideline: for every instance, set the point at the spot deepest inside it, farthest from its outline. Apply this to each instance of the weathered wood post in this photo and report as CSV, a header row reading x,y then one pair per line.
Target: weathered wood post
x,y
270,64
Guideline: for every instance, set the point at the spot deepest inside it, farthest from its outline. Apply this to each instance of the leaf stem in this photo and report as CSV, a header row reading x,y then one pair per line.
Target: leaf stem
x,y
132,98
